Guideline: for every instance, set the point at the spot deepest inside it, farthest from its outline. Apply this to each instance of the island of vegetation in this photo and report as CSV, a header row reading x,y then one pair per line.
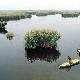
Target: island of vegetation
x,y
70,15
41,38
9,35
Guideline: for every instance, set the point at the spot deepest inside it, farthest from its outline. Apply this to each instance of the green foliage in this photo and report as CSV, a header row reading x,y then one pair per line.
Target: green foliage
x,y
9,35
42,38
7,18
41,14
14,15
2,25
28,15
70,15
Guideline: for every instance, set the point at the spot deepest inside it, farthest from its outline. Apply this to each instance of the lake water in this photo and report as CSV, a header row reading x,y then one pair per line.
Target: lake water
x,y
18,64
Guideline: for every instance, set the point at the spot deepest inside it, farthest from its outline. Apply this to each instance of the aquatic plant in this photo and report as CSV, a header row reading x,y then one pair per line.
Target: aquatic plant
x,y
28,15
70,14
43,38
9,35
2,26
41,14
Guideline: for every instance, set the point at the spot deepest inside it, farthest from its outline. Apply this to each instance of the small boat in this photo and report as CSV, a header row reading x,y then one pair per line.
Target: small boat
x,y
67,64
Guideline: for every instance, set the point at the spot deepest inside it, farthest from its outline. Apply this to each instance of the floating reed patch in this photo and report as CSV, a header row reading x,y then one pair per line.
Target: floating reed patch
x,y
9,35
41,38
70,15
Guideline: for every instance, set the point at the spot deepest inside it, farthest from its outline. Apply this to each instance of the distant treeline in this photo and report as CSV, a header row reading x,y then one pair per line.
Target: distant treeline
x,y
13,15
21,14
41,12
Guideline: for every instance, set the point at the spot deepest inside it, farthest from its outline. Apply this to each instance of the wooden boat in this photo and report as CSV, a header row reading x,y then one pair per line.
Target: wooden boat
x,y
67,64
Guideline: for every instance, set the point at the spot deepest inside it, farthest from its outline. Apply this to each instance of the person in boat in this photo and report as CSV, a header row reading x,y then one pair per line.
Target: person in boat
x,y
70,60
78,52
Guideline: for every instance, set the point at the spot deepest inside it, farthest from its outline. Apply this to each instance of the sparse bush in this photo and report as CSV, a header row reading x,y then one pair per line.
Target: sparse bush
x,y
9,35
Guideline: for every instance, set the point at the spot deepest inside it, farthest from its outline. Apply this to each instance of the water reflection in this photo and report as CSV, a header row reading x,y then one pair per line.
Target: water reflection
x,y
3,31
67,69
10,38
40,54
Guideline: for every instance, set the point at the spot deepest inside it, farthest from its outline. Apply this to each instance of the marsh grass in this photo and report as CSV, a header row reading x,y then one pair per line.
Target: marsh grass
x,y
28,15
43,38
70,15
14,15
2,26
41,14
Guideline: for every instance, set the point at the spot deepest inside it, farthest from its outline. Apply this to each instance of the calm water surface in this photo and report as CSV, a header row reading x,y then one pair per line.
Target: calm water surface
x,y
18,64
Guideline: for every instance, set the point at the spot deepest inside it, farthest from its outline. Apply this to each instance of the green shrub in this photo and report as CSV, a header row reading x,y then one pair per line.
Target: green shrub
x,y
28,15
41,14
70,14
9,35
42,38
2,26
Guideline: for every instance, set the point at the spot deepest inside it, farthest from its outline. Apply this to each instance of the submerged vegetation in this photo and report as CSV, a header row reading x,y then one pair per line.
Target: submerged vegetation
x,y
9,35
41,38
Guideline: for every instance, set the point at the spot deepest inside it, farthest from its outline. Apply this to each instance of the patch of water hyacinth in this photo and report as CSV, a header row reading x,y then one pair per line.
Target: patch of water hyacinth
x,y
9,35
41,38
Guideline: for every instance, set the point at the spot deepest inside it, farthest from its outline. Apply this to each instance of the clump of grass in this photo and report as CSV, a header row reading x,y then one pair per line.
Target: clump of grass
x,y
70,14
9,35
28,15
41,38
41,14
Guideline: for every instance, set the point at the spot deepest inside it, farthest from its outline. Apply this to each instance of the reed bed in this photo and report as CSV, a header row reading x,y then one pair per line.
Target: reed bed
x,y
2,26
41,38
70,15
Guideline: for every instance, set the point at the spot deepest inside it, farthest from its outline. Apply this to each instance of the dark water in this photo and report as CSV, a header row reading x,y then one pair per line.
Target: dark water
x,y
18,64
